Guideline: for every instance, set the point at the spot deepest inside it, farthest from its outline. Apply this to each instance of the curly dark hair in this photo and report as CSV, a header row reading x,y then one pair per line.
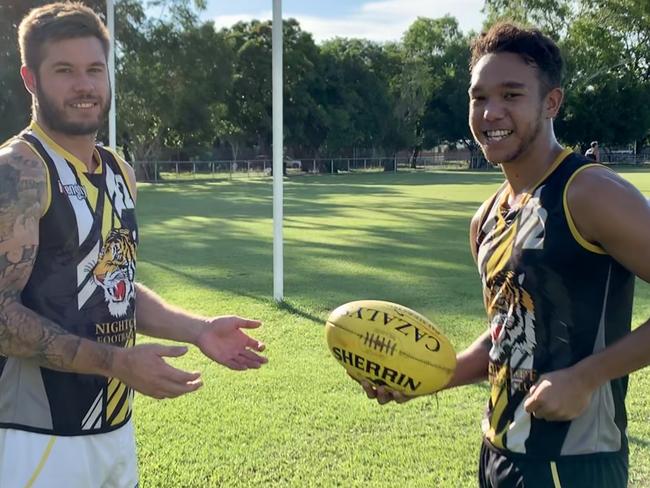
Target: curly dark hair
x,y
534,47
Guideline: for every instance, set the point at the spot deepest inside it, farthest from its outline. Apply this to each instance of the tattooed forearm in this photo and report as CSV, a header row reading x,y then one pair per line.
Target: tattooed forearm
x,y
25,334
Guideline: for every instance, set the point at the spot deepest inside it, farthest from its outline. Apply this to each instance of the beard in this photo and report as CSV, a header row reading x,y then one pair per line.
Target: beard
x,y
525,144
55,117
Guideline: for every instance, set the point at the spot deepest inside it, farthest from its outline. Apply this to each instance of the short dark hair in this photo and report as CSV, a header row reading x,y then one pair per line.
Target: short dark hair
x,y
594,143
534,47
56,22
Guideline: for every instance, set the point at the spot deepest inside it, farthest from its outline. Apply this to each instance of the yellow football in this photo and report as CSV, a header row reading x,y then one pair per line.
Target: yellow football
x,y
392,345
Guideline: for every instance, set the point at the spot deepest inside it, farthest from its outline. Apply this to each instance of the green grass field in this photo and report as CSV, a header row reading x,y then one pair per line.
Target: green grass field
x,y
300,422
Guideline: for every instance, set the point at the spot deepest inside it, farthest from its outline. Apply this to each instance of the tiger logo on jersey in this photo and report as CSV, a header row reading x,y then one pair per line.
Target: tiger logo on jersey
x,y
512,328
115,271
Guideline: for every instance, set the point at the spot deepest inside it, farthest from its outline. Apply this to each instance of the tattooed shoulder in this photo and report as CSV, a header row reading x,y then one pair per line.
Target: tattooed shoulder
x,y
22,180
22,187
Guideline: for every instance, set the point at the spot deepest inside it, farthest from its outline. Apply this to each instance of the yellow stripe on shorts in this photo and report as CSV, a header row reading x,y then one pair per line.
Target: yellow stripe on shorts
x,y
556,476
41,463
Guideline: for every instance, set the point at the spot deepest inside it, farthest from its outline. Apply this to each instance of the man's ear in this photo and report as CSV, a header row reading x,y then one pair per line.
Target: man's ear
x,y
553,102
29,79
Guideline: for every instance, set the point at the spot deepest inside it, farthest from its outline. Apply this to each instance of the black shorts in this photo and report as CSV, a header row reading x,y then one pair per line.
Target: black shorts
x,y
600,471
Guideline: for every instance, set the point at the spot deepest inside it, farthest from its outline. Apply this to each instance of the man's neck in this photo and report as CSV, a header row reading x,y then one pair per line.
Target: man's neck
x,y
529,168
82,147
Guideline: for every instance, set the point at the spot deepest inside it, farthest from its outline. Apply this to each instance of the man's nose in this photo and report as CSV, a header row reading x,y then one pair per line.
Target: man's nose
x,y
83,83
493,110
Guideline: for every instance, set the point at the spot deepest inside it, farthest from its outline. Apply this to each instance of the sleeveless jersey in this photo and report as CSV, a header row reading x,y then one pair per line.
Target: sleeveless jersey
x,y
552,299
83,280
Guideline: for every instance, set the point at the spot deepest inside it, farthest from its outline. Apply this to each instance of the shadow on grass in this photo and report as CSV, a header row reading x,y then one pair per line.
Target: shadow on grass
x,y
296,310
367,236
207,283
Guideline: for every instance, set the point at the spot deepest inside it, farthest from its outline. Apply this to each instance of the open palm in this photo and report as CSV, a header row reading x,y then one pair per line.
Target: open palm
x,y
223,341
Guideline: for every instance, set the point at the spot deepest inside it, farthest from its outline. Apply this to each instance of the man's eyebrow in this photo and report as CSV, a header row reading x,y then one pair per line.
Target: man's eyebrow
x,y
65,64
513,84
516,85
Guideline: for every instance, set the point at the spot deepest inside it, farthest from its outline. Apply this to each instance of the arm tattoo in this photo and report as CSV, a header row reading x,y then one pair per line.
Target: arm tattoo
x,y
9,177
23,332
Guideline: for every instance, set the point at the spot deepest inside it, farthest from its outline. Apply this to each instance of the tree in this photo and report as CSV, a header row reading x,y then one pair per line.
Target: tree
x,y
630,20
552,16
173,76
249,101
595,113
433,84
304,116
357,98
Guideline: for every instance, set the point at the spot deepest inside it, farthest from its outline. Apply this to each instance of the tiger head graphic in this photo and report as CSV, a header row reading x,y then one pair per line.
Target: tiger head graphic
x,y
115,271
512,322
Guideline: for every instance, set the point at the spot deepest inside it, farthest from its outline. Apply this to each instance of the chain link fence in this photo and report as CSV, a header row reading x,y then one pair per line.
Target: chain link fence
x,y
159,171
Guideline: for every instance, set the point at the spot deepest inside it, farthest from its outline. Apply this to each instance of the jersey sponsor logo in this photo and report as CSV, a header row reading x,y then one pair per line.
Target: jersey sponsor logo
x,y
115,271
74,190
118,332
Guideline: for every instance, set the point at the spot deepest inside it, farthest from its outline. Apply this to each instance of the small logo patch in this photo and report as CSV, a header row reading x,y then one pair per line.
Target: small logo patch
x,y
75,190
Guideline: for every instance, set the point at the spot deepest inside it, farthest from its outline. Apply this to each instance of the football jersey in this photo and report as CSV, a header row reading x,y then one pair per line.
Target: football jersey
x,y
83,279
552,299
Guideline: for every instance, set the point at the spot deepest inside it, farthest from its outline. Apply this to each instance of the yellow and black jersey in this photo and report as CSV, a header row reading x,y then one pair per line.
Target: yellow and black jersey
x,y
552,299
83,279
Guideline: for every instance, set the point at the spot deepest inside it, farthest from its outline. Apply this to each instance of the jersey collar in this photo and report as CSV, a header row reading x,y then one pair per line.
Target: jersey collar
x,y
68,156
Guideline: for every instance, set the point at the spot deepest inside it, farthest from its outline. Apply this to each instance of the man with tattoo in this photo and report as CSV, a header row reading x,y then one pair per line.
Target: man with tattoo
x,y
557,248
68,236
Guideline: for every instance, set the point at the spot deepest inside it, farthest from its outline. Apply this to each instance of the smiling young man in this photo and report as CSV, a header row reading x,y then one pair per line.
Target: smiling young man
x,y
69,303
557,247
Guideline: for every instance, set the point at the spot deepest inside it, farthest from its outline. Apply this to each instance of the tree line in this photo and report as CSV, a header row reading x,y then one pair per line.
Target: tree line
x,y
187,90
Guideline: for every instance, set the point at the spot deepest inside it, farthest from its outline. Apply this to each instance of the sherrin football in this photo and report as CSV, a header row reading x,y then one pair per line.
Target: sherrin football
x,y
392,345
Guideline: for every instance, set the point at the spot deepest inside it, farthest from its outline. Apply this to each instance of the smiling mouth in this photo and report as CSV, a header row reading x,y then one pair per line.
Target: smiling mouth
x,y
83,105
496,135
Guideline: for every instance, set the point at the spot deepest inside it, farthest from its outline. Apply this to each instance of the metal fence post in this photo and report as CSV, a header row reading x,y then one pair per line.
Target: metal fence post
x,y
331,166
